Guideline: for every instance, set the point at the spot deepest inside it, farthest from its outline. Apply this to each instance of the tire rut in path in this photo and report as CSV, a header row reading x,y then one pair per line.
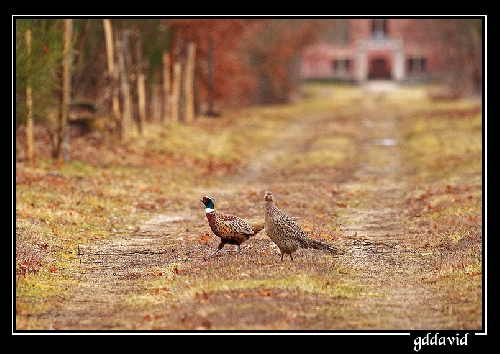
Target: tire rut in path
x,y
110,272
385,263
297,136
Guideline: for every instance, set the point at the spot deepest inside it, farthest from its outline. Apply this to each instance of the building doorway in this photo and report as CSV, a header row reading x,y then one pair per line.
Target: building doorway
x,y
379,69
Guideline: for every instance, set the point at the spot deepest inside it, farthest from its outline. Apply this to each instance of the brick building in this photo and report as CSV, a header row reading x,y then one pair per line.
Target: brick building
x,y
376,49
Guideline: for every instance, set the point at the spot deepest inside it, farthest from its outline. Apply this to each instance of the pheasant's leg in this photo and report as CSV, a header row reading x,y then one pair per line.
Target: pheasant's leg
x,y
219,247
282,254
291,258
214,252
236,250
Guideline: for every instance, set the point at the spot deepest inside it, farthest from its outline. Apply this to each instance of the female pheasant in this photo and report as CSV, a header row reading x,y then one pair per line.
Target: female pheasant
x,y
231,229
287,234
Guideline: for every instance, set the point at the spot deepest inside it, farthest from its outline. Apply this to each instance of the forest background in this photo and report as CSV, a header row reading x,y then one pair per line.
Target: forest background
x,y
125,73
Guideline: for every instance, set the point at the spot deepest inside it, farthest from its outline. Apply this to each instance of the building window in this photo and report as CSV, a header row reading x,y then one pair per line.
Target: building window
x,y
341,66
341,35
379,29
417,65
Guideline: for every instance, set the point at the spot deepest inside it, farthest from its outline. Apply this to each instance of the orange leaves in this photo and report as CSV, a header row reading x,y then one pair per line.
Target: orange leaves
x,y
318,233
202,297
456,189
475,218
205,324
28,178
55,231
204,238
24,268
325,235
307,228
253,194
146,206
149,317
177,271
162,291
449,196
259,293
264,293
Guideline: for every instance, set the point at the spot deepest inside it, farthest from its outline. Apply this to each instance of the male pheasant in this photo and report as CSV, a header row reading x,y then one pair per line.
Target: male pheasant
x,y
287,234
231,229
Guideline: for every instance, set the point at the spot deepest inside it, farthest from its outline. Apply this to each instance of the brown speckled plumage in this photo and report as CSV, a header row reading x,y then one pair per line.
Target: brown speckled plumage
x,y
231,229
287,234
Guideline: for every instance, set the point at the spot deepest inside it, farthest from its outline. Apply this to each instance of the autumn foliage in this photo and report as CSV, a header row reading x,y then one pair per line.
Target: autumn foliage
x,y
251,60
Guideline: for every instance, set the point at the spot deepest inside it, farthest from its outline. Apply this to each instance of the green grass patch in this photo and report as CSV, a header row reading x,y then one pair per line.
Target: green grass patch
x,y
444,143
37,293
179,291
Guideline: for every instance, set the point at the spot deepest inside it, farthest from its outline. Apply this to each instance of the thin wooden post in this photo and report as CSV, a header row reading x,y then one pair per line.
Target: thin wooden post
x,y
141,90
112,75
176,90
210,77
125,88
155,107
29,105
189,83
128,110
166,87
66,91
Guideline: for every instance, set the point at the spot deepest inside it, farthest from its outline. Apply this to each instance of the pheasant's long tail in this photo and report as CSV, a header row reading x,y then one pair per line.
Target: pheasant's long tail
x,y
257,226
325,246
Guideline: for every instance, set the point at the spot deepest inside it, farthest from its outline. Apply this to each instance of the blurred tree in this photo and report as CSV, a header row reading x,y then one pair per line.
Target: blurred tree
x,y
244,61
40,69
274,48
461,40
89,62
221,65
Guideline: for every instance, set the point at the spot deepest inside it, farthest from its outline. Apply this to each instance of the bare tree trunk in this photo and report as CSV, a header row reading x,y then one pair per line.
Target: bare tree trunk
x,y
210,77
189,83
66,92
112,76
155,108
141,91
176,90
29,104
166,88
125,88
128,103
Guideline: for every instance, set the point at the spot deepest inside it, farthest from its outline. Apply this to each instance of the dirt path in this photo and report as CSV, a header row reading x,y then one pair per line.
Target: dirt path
x,y
386,263
383,266
379,252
